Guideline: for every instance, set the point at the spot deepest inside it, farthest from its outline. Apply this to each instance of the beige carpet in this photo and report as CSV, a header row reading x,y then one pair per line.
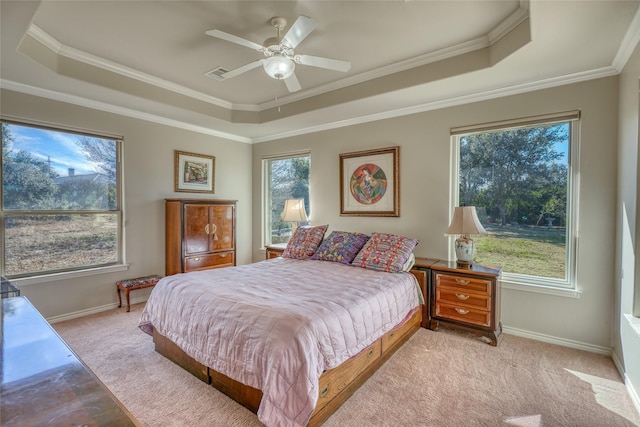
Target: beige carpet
x,y
444,378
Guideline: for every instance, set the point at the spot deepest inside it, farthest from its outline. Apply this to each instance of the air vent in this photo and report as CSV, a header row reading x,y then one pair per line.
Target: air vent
x,y
217,73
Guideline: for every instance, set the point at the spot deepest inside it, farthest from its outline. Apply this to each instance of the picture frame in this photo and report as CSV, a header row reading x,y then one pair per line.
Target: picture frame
x,y
369,182
194,173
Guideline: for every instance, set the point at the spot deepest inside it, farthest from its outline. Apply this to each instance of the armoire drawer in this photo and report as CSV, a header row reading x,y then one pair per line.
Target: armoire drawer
x,y
207,261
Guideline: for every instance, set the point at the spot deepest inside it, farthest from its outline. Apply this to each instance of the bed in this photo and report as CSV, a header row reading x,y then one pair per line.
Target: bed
x,y
290,339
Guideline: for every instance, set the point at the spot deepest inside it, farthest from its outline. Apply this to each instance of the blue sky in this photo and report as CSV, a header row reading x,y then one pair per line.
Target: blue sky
x,y
58,147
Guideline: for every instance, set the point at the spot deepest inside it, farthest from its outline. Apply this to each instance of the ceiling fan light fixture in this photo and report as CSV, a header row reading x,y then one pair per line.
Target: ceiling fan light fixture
x,y
279,67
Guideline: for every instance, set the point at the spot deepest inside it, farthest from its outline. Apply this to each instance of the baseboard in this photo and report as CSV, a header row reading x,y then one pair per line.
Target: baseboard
x,y
559,341
94,310
635,397
616,361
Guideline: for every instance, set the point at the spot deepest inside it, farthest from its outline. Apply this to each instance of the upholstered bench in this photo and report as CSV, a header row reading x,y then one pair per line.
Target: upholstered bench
x,y
129,285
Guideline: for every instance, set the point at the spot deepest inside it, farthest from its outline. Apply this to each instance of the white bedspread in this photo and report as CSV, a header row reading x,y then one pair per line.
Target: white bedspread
x,y
278,324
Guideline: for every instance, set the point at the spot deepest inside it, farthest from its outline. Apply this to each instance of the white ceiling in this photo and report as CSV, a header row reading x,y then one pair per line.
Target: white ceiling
x,y
148,58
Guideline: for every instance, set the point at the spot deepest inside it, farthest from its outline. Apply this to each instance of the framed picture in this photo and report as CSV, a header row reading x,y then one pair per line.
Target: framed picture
x,y
369,184
195,173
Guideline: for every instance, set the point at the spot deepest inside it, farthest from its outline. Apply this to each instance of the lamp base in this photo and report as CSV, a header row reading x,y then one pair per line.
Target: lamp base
x,y
465,251
464,265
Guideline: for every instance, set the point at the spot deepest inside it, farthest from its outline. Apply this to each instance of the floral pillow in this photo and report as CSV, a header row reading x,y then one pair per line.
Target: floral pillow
x,y
341,246
304,242
385,252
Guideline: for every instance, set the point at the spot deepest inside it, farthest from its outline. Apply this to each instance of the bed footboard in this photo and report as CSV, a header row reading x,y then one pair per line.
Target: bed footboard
x,y
336,385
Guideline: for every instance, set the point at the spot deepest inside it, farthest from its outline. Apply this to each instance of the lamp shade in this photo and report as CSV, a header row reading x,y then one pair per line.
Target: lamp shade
x,y
465,221
279,67
294,211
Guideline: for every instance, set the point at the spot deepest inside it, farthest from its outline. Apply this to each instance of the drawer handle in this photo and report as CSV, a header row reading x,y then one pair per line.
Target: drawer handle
x,y
462,282
370,353
462,311
462,297
223,255
197,258
324,391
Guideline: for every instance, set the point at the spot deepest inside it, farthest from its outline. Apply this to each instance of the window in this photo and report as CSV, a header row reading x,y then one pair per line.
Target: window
x,y
520,177
60,204
285,177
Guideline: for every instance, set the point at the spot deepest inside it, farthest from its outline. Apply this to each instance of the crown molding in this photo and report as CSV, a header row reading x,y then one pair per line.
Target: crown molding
x,y
429,106
451,102
96,61
487,40
509,24
629,43
115,109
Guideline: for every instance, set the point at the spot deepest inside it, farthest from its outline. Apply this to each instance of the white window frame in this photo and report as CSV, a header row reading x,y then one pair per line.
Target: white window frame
x,y
561,287
83,271
266,190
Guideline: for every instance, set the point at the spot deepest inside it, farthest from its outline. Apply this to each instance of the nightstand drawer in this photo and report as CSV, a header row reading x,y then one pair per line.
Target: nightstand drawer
x,y
463,314
276,250
460,297
463,283
271,254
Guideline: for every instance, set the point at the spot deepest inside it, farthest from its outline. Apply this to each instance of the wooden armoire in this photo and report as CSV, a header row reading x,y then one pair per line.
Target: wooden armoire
x,y
200,234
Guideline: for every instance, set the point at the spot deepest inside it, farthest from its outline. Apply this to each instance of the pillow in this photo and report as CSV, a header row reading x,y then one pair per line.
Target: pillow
x,y
304,242
385,252
341,246
408,265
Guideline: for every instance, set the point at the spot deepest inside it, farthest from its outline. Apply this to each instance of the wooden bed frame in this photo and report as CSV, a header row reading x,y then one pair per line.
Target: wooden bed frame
x,y
335,385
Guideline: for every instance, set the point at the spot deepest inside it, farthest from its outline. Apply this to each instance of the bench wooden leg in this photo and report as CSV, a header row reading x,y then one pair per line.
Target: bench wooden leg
x,y
127,286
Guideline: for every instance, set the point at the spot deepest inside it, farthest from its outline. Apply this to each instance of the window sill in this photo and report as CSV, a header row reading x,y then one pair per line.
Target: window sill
x,y
634,322
68,275
561,292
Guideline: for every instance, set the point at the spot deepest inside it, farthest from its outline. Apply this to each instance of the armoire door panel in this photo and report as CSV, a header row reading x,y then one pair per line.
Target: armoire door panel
x,y
196,224
223,236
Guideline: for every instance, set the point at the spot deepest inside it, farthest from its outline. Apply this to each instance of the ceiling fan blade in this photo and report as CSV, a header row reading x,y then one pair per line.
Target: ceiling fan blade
x,y
299,31
242,69
234,39
329,64
292,83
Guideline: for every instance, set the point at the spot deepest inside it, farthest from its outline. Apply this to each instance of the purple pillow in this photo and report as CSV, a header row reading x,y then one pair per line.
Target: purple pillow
x,y
341,246
304,242
385,252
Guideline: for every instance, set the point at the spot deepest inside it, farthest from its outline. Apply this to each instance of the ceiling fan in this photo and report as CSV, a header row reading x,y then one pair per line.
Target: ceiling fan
x,y
280,60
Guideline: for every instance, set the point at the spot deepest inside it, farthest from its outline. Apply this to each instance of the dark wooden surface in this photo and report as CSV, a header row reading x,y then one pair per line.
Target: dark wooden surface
x,y
275,250
199,234
467,298
44,382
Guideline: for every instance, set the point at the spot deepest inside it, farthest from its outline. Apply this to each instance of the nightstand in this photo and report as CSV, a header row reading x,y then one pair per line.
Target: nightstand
x,y
467,298
275,250
422,270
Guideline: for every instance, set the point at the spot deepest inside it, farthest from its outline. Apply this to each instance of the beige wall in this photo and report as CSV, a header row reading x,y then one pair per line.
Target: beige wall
x,y
626,340
148,155
425,182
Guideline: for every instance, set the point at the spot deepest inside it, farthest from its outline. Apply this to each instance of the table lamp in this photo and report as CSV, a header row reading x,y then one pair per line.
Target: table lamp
x,y
465,222
294,213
